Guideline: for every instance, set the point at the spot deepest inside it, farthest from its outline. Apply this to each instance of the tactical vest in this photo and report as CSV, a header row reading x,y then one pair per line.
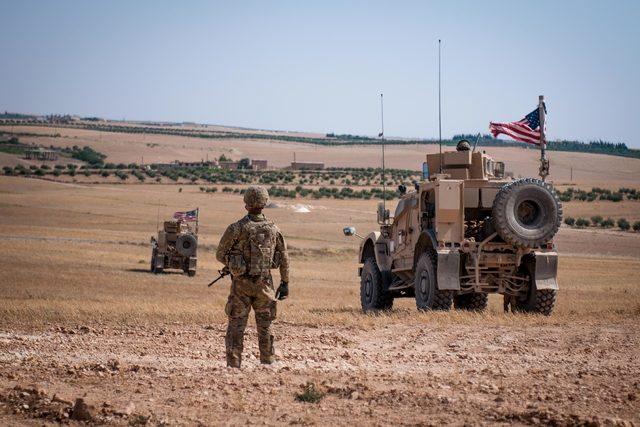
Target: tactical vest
x,y
257,247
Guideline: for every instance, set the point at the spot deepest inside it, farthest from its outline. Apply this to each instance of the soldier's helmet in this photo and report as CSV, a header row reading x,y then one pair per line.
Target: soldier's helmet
x,y
463,145
256,197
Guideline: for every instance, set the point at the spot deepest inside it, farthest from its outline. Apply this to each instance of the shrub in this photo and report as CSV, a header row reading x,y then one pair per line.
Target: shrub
x,y
624,224
636,226
87,172
56,172
104,173
596,219
607,223
310,393
89,155
570,221
40,172
582,222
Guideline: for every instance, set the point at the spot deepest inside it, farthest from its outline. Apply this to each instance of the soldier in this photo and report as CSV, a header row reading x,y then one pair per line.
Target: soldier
x,y
463,145
250,248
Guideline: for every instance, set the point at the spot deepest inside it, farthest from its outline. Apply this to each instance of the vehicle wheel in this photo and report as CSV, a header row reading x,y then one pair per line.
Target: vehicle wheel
x,y
153,260
154,257
191,273
475,301
536,301
372,295
527,212
428,296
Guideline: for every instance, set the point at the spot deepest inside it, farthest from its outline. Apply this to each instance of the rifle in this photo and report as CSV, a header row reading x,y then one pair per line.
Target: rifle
x,y
222,273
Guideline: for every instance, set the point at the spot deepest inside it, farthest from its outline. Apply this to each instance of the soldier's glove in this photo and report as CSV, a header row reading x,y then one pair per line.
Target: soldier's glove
x,y
283,291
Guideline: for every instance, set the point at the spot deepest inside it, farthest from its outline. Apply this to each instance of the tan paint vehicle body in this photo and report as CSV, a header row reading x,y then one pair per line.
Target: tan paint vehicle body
x,y
175,247
449,217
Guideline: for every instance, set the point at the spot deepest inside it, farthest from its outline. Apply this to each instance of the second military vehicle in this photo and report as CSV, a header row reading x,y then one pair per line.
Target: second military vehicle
x,y
465,231
175,247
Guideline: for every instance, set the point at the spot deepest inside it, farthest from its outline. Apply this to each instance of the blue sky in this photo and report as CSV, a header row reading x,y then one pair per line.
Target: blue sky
x,y
320,66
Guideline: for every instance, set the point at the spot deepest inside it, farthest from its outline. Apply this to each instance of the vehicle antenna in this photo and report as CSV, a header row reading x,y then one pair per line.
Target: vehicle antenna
x,y
439,106
384,186
476,143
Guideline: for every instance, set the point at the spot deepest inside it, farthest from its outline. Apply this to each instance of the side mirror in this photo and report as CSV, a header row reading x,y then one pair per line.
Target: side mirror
x,y
349,231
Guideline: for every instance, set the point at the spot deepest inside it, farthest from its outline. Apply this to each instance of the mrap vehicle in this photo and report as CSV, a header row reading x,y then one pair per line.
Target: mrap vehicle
x,y
175,247
463,232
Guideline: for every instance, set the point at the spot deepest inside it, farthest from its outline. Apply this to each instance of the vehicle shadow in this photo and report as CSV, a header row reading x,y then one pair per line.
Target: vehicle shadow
x,y
146,270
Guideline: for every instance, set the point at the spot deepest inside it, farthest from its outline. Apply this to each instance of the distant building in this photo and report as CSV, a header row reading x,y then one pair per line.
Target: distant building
x,y
188,165
42,155
229,165
258,165
307,165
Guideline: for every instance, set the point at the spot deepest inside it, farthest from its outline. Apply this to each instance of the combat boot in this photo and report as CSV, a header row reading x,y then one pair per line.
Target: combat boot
x,y
234,360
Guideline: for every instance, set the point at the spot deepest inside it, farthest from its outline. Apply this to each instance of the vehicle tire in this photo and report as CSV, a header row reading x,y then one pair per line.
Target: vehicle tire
x,y
191,273
153,260
428,296
186,244
372,294
536,301
527,212
475,301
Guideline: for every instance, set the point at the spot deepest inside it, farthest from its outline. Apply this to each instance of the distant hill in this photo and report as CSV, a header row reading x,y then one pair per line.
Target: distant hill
x,y
183,129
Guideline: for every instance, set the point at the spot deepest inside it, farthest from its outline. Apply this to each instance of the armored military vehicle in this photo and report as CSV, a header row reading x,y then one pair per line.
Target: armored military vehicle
x,y
463,232
175,247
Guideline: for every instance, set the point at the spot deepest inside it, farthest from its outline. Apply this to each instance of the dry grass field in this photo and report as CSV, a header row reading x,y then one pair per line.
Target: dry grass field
x,y
81,317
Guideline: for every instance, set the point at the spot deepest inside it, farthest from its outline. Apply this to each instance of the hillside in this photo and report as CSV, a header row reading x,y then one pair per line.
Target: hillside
x,y
588,169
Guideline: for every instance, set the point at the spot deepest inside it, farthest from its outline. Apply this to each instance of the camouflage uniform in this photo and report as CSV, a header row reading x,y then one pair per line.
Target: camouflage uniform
x,y
250,248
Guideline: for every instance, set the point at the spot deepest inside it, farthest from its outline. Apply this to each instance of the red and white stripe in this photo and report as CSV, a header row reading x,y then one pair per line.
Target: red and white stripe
x,y
519,131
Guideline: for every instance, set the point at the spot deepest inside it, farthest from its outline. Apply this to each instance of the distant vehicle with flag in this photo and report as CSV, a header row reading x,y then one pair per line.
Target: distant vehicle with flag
x,y
176,245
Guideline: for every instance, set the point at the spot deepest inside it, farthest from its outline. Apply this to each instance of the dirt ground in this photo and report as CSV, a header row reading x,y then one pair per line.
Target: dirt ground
x,y
81,318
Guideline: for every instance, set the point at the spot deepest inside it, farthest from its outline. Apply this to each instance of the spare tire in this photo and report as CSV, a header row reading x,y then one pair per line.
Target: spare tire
x,y
186,244
527,212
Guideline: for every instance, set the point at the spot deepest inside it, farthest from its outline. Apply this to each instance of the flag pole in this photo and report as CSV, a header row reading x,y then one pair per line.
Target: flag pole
x,y
544,163
197,219
439,107
384,184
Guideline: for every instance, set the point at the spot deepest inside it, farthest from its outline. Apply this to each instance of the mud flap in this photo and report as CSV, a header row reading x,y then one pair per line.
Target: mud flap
x,y
448,269
546,270
192,263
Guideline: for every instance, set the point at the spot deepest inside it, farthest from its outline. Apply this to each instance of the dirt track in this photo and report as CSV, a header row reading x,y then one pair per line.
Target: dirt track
x,y
396,374
81,317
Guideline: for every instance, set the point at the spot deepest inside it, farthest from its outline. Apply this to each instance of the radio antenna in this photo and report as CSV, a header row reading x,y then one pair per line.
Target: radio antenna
x,y
439,106
384,186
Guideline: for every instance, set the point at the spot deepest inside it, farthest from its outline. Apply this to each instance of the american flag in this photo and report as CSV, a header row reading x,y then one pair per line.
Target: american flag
x,y
186,216
525,130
